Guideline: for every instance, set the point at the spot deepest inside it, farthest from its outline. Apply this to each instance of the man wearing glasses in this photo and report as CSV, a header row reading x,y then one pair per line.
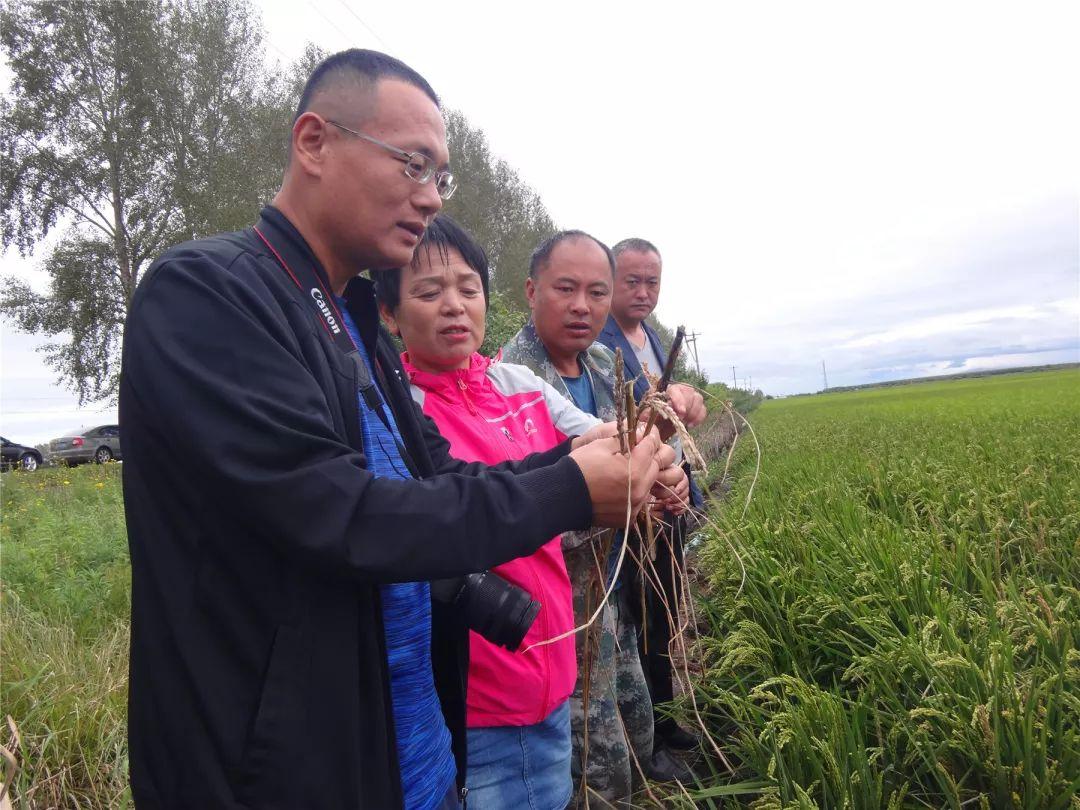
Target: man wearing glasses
x,y
285,652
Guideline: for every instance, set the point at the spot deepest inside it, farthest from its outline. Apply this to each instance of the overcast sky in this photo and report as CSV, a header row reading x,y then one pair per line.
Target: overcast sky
x,y
891,189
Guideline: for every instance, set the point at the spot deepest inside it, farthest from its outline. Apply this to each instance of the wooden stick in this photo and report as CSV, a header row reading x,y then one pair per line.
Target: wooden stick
x,y
631,412
622,424
669,369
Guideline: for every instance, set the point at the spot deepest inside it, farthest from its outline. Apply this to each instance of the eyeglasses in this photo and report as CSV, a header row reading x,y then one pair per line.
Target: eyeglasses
x,y
418,166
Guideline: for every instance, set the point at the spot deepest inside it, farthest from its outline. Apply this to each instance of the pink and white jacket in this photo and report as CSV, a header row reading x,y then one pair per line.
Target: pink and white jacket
x,y
493,412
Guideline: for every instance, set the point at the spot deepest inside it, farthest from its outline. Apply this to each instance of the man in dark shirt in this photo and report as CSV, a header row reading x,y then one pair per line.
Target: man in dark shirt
x,y
635,293
272,457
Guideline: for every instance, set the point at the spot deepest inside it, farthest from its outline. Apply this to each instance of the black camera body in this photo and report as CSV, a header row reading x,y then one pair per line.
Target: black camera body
x,y
498,610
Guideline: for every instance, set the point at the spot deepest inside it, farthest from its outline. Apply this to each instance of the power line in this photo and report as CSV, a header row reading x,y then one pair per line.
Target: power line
x,y
284,55
370,30
341,29
337,28
27,399
42,414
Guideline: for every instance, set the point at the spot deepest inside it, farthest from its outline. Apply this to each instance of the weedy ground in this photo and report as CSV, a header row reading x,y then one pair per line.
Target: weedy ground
x,y
908,632
64,605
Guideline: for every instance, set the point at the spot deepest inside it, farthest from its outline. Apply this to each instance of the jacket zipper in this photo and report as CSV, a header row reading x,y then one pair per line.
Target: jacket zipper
x,y
546,651
464,386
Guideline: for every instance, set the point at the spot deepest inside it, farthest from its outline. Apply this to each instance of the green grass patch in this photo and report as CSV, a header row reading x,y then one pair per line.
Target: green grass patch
x,y
65,602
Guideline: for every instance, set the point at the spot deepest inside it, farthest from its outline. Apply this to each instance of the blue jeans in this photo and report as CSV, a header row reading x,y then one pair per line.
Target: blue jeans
x,y
521,767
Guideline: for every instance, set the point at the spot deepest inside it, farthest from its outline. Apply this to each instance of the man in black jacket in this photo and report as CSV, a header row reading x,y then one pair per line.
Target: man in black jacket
x,y
266,661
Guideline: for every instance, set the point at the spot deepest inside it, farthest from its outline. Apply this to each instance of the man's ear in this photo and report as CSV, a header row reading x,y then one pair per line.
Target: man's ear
x,y
530,291
309,143
389,320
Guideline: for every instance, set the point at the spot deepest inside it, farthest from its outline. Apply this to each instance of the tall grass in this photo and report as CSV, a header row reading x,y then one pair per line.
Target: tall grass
x,y
908,634
64,604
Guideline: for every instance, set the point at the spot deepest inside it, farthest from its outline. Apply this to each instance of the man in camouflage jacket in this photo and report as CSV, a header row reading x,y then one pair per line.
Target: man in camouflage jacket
x,y
610,678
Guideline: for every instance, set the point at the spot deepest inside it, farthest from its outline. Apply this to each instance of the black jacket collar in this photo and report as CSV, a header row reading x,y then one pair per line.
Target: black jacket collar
x,y
288,242
295,251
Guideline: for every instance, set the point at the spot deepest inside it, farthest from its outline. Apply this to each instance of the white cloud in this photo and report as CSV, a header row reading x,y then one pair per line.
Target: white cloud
x,y
974,364
958,322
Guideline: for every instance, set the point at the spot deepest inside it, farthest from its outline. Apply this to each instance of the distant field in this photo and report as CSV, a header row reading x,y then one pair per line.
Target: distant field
x,y
908,634
964,375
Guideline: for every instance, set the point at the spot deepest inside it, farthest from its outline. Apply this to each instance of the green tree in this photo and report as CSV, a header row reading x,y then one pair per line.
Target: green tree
x,y
225,120
504,319
128,127
500,209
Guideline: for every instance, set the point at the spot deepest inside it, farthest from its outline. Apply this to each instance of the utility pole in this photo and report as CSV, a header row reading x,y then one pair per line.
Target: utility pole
x,y
750,385
734,384
824,375
691,341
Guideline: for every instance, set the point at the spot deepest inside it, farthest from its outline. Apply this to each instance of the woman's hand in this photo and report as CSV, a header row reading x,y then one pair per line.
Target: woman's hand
x,y
671,492
602,431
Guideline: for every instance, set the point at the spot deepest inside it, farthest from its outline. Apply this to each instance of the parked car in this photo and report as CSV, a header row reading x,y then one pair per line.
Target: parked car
x,y
19,455
100,444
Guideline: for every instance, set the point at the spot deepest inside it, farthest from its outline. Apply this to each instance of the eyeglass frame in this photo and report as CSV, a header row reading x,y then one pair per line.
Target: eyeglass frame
x,y
430,173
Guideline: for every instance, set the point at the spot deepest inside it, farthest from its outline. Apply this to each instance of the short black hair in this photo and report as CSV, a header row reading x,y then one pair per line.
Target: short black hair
x,y
442,235
542,255
367,66
637,245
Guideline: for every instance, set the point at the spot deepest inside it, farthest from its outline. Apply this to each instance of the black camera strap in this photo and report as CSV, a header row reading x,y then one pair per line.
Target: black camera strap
x,y
329,316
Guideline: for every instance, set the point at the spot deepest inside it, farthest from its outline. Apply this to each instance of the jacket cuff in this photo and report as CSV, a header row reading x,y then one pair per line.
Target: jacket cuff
x,y
545,458
562,496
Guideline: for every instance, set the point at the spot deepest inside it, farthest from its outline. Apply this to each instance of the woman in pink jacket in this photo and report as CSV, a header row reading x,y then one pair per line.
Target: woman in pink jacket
x,y
517,717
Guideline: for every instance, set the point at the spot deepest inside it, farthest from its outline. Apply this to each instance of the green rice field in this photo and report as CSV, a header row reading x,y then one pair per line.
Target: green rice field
x,y
906,633
907,629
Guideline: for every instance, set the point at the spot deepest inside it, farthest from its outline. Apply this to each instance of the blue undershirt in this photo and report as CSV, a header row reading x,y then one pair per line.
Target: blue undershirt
x,y
423,741
581,392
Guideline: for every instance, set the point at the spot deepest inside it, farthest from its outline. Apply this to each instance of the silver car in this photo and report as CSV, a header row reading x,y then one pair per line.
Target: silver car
x,y
100,444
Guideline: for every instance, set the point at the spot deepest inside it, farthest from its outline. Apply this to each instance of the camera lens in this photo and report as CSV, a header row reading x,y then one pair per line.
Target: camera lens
x,y
498,610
